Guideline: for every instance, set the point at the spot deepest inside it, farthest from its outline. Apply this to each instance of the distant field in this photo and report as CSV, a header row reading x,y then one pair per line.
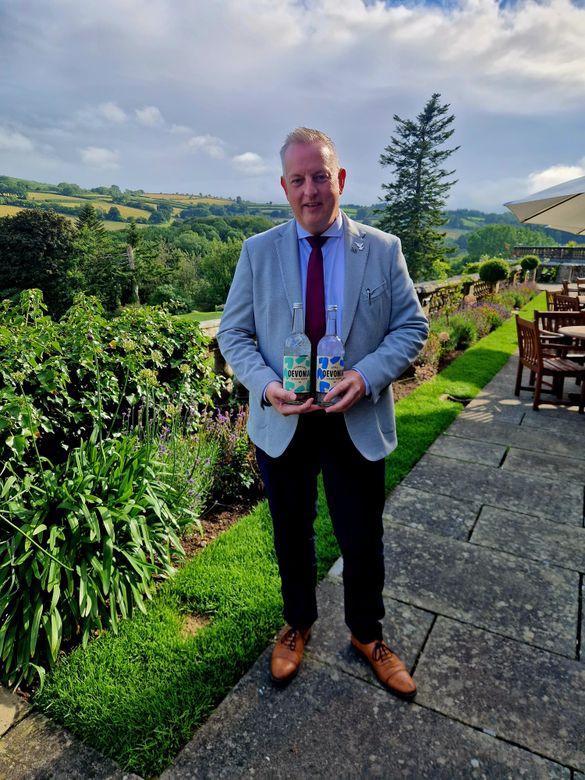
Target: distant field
x,y
9,211
125,211
188,199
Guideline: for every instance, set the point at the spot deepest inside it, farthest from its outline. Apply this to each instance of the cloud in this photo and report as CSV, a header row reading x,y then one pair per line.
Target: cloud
x,y
209,144
250,163
180,130
149,116
13,141
113,113
99,157
555,174
513,72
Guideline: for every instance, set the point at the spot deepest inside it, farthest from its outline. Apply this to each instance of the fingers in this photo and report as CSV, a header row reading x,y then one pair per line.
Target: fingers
x,y
349,391
281,400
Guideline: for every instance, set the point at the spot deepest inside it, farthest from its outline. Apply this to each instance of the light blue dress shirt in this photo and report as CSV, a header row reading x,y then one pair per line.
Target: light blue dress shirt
x,y
333,266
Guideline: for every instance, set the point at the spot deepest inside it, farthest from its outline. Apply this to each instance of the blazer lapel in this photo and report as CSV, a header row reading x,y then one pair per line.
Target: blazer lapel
x,y
287,250
356,255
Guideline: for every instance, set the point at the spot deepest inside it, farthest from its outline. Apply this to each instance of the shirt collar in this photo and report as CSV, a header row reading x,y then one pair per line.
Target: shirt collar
x,y
335,230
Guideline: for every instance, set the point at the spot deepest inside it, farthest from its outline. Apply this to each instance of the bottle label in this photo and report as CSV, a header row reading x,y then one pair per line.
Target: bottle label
x,y
296,373
329,372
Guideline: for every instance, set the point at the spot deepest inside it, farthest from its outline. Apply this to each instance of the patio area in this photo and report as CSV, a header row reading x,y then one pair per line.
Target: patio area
x,y
485,555
485,551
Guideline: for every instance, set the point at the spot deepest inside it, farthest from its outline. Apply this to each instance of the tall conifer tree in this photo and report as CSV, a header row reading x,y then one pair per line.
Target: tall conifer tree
x,y
416,197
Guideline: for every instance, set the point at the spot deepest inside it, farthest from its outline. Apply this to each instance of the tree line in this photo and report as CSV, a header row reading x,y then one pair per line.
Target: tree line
x,y
188,266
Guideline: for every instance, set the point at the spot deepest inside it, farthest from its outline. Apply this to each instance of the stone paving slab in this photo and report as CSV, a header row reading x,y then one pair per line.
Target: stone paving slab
x,y
485,411
468,450
12,710
555,419
431,512
559,467
531,537
405,628
327,724
496,487
523,695
38,748
527,601
582,634
520,436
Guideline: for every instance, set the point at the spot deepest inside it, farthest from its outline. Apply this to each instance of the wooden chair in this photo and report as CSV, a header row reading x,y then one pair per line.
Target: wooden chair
x,y
550,300
549,322
562,302
544,361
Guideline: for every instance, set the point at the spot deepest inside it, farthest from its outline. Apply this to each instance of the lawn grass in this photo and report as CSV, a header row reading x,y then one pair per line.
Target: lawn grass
x,y
139,696
200,316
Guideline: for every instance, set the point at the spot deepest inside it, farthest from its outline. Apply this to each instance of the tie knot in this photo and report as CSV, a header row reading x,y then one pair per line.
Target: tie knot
x,y
317,241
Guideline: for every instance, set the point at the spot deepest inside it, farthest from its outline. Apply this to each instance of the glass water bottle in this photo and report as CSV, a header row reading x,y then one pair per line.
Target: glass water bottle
x,y
296,369
330,354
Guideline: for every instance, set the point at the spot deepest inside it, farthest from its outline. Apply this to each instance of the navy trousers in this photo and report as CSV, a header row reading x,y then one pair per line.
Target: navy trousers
x,y
354,488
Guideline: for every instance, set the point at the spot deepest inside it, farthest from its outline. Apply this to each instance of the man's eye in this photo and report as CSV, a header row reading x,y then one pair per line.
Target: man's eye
x,y
296,182
321,177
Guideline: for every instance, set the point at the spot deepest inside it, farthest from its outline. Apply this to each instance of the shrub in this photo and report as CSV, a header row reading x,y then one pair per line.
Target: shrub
x,y
95,482
85,371
493,270
463,330
80,544
488,316
529,263
236,474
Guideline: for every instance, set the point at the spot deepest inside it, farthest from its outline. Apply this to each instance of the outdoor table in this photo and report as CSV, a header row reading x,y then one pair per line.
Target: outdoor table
x,y
573,331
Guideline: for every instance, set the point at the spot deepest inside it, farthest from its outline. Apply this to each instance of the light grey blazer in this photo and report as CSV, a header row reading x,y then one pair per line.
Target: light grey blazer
x,y
383,329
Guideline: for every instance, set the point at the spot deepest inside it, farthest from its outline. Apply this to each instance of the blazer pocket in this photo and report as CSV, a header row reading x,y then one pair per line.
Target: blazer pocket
x,y
371,293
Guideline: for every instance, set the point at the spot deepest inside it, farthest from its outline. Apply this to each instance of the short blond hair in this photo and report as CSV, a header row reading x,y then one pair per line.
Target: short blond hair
x,y
306,135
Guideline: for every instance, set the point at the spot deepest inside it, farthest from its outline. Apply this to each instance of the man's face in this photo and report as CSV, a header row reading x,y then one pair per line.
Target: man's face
x,y
313,184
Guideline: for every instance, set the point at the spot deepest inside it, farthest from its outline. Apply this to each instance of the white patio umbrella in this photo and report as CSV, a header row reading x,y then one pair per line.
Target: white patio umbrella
x,y
561,207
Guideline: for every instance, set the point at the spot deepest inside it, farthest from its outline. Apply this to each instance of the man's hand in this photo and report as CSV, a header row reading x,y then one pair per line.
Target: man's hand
x,y
350,390
281,400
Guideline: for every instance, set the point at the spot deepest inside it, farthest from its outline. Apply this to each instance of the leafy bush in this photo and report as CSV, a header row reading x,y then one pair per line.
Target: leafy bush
x,y
529,262
80,543
493,270
516,297
488,316
236,474
96,483
86,370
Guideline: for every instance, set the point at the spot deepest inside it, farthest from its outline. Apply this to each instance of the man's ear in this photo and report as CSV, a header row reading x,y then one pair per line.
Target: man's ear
x,y
341,179
283,185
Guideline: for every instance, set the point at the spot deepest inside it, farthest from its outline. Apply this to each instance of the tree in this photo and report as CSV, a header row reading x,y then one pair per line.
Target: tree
x,y
99,266
89,217
415,199
114,214
500,240
36,251
215,273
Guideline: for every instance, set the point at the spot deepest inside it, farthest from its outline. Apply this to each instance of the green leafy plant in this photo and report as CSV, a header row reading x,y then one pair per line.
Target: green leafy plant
x,y
493,270
236,474
80,544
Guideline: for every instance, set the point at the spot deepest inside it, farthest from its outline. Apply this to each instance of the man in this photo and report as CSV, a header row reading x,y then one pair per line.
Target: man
x,y
383,328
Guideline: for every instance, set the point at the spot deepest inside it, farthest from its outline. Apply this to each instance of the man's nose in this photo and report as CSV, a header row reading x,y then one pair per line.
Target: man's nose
x,y
310,187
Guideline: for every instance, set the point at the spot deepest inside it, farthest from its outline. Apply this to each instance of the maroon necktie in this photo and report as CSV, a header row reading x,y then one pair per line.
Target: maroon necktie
x,y
315,295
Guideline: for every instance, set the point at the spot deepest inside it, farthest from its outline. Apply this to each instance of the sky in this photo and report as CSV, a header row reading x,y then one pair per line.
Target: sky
x,y
197,96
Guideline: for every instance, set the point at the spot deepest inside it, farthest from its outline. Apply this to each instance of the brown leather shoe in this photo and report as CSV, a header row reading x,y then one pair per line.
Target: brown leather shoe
x,y
288,654
389,669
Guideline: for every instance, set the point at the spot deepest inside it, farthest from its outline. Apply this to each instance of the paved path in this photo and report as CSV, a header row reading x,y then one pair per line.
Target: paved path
x,y
485,553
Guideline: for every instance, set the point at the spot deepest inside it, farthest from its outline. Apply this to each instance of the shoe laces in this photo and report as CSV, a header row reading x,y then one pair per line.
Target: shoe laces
x,y
290,639
381,653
